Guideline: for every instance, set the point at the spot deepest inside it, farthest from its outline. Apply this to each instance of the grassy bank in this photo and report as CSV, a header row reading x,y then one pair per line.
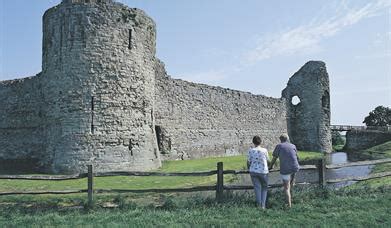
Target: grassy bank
x,y
311,207
358,206
379,152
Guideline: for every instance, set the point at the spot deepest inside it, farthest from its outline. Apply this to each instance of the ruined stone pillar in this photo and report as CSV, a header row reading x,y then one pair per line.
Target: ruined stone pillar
x,y
98,87
308,103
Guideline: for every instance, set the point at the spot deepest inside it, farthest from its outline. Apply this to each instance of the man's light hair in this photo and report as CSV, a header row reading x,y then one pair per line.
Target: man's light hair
x,y
284,138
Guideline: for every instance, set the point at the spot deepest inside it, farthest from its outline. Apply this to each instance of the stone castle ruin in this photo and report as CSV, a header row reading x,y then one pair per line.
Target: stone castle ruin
x,y
103,98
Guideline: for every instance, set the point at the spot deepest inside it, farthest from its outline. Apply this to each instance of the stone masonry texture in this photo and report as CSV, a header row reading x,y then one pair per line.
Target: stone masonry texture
x,y
199,120
357,140
309,120
103,98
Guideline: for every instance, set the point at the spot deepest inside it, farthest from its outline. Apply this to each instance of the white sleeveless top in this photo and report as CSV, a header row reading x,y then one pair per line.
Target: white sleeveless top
x,y
258,157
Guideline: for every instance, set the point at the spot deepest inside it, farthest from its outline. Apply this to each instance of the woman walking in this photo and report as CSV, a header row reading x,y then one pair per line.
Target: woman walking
x,y
257,164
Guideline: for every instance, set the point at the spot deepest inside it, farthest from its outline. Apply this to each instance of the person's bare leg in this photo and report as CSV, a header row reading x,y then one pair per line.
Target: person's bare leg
x,y
293,180
287,191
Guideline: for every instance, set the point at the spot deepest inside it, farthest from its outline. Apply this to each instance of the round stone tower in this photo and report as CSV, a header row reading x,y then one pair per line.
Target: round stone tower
x,y
98,87
308,104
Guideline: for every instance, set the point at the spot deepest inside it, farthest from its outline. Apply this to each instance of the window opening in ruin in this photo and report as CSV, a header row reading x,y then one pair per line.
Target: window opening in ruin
x,y
325,100
92,115
131,147
159,137
295,100
130,39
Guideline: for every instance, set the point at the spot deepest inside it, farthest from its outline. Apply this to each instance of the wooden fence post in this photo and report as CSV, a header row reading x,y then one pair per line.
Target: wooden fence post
x,y
90,186
220,182
322,172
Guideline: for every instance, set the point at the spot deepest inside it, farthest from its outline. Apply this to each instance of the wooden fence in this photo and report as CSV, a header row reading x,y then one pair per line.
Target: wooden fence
x,y
218,188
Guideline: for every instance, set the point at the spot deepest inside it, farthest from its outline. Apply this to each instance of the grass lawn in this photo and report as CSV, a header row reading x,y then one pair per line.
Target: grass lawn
x,y
205,164
311,208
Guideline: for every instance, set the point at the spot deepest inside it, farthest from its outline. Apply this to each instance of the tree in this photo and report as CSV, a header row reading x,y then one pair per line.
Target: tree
x,y
337,138
380,116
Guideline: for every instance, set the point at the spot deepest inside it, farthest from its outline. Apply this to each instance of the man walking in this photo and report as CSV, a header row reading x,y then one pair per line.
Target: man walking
x,y
289,164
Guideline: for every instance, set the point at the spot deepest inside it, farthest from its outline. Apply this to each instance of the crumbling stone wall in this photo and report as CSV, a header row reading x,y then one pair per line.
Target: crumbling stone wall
x,y
20,118
309,120
98,87
196,120
103,98
363,139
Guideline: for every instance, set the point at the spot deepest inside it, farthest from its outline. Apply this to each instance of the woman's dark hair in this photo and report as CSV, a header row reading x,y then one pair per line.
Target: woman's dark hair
x,y
257,140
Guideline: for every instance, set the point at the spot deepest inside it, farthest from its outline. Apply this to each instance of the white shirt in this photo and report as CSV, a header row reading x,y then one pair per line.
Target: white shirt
x,y
258,157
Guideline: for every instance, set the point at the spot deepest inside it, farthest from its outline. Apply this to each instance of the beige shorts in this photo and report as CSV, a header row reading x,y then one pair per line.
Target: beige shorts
x,y
286,177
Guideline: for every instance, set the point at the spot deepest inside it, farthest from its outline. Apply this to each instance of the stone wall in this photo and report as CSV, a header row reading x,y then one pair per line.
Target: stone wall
x,y
96,90
360,140
195,120
309,120
20,119
103,98
98,87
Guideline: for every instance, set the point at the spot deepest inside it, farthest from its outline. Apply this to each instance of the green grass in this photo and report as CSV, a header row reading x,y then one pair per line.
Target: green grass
x,y
309,156
205,164
338,147
359,206
311,208
379,152
232,163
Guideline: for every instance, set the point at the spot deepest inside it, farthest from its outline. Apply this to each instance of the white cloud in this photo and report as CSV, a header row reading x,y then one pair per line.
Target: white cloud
x,y
306,38
303,39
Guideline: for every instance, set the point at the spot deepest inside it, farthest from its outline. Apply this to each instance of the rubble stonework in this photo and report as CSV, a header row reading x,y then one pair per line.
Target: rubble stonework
x,y
357,140
103,98
309,120
199,120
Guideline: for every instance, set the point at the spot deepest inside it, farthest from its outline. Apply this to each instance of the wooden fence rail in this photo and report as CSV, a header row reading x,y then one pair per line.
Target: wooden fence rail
x,y
51,178
144,174
219,188
362,178
61,192
236,172
359,163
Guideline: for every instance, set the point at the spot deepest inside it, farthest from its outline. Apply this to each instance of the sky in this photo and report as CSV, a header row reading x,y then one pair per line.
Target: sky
x,y
248,45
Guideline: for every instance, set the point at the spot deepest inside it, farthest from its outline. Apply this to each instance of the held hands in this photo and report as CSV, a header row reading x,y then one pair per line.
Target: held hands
x,y
270,165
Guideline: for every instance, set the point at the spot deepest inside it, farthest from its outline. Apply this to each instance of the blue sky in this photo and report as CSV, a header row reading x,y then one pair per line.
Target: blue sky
x,y
249,45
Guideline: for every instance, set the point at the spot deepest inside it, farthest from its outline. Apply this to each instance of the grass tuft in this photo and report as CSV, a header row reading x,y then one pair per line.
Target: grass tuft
x,y
345,207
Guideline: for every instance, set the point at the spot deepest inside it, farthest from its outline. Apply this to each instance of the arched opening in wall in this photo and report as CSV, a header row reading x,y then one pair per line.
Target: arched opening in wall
x,y
295,100
338,140
159,137
163,142
326,101
130,39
